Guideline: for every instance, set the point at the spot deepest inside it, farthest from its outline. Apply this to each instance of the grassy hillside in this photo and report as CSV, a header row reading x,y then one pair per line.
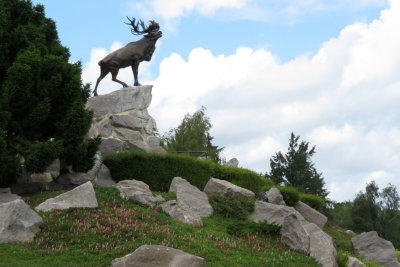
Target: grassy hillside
x,y
85,237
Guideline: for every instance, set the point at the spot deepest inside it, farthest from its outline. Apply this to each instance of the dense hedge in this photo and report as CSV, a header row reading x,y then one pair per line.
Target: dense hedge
x,y
158,170
313,201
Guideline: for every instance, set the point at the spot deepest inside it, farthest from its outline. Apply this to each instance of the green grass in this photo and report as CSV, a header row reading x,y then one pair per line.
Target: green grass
x,y
94,237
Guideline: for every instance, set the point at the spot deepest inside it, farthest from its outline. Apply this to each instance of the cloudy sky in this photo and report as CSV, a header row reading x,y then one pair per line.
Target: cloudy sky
x,y
326,70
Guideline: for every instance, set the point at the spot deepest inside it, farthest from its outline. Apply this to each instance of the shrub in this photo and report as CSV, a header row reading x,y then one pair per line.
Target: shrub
x,y
313,201
398,254
290,195
158,170
233,208
249,227
241,177
342,259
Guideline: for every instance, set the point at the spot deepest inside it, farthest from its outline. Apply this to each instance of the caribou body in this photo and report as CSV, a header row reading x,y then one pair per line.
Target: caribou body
x,y
131,54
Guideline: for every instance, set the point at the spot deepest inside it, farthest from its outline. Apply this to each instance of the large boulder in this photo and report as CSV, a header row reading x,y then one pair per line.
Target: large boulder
x,y
138,191
225,188
371,247
103,177
311,214
272,213
7,196
275,197
160,256
18,222
190,197
173,209
294,235
354,262
122,120
82,196
322,247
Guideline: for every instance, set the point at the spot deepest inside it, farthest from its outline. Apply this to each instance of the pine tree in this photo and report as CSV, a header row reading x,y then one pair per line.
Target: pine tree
x,y
42,104
296,169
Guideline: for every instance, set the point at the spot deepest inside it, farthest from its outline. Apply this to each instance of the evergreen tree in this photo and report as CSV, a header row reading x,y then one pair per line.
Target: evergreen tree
x,y
42,104
193,134
296,169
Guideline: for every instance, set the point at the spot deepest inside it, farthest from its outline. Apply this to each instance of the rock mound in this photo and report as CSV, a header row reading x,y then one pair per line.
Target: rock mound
x,y
7,196
354,262
275,197
272,213
225,188
122,120
190,197
181,214
82,196
18,222
371,247
138,191
311,214
160,256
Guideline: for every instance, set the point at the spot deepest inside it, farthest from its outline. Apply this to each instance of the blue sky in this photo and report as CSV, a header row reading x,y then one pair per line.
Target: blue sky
x,y
325,69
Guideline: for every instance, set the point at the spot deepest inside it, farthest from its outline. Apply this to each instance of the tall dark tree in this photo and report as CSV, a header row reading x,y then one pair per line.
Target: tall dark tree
x,y
379,211
42,98
193,134
296,169
365,209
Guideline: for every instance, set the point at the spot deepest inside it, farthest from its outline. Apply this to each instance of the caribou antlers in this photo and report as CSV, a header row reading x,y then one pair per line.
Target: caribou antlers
x,y
153,27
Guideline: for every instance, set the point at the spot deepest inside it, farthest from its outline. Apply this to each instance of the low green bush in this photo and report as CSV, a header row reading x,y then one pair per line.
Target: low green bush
x,y
232,208
290,195
398,254
248,227
313,201
343,259
158,170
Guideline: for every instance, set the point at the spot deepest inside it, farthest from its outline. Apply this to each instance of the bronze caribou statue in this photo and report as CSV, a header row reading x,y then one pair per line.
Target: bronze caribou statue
x,y
131,54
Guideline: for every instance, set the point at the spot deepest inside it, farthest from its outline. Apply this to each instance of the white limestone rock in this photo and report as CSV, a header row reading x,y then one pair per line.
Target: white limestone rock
x,y
181,214
82,196
190,197
225,188
371,247
272,213
18,222
160,256
6,195
354,262
311,214
275,196
138,191
122,120
322,248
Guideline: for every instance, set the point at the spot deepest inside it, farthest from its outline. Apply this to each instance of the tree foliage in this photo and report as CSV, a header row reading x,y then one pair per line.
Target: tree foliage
x,y
42,98
296,169
379,211
193,134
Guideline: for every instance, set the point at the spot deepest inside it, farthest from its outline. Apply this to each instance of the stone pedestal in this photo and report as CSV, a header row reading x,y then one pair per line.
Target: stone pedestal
x,y
122,120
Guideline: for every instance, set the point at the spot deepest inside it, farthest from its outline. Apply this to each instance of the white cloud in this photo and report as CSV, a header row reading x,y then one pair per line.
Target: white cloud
x,y
273,10
173,9
343,99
